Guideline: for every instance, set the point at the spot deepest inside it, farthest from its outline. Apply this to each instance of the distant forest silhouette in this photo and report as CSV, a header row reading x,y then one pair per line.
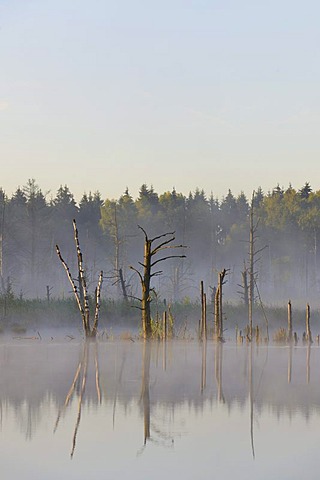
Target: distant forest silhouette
x,y
216,232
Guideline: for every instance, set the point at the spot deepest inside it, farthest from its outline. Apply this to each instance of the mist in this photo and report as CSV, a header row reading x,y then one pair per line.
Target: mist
x,y
108,406
214,231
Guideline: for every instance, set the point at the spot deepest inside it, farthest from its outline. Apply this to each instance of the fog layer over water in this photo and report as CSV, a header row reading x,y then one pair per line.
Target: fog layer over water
x,y
146,410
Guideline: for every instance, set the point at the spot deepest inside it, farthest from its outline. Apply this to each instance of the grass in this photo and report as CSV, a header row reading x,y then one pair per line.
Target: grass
x,y
183,317
280,335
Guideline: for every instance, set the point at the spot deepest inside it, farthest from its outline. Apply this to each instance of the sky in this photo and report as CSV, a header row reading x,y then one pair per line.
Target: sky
x,y
104,95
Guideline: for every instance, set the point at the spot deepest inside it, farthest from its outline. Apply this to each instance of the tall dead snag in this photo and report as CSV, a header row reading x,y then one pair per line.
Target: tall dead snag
x,y
253,252
218,316
251,266
308,330
244,292
145,278
203,321
123,285
81,294
289,321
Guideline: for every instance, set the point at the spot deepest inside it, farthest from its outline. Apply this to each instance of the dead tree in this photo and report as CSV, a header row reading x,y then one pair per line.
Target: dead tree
x,y
308,329
203,320
48,293
145,278
253,259
218,316
2,219
123,285
289,334
244,292
83,298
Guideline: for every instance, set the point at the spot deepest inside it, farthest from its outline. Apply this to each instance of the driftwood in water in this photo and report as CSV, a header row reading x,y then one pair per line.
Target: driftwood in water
x,y
81,295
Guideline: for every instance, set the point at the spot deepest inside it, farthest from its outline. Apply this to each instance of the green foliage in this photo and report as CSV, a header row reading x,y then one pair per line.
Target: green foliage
x,y
215,231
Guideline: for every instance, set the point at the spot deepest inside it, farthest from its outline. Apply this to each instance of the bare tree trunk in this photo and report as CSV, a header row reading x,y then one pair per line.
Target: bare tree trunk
x,y
74,288
48,293
203,320
123,286
221,277
289,321
164,325
82,280
83,304
98,304
2,237
218,311
244,275
308,330
204,327
145,303
251,266
145,278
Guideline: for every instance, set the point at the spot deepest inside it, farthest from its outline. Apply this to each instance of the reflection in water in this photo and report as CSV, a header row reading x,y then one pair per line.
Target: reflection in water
x,y
80,379
156,399
251,396
117,387
218,371
290,361
308,362
204,365
145,389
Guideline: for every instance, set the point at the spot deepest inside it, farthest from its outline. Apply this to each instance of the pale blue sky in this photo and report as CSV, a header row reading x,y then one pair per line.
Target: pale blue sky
x,y
101,95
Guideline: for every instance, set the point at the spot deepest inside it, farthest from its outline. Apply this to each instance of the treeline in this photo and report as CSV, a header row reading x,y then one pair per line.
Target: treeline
x,y
215,231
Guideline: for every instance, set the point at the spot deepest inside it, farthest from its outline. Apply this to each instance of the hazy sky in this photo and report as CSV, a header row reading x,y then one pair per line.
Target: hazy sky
x,y
101,95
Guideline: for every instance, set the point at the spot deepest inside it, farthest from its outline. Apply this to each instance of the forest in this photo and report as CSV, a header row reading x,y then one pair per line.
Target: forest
x,y
214,231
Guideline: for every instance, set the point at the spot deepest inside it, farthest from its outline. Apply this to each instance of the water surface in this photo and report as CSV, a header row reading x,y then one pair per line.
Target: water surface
x,y
176,410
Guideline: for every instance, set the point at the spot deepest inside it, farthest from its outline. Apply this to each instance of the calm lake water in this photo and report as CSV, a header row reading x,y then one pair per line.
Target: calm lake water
x,y
129,410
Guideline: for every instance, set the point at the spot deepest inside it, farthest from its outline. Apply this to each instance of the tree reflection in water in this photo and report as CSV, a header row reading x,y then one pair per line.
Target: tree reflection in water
x,y
156,379
80,380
